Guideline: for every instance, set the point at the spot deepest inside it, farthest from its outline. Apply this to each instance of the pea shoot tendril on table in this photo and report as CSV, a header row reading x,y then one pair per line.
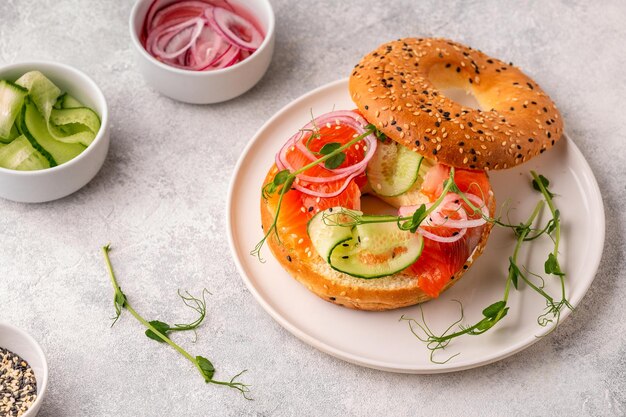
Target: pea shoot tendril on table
x,y
159,331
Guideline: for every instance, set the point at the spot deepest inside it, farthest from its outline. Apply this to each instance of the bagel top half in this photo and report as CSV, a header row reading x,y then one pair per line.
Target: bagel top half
x,y
397,88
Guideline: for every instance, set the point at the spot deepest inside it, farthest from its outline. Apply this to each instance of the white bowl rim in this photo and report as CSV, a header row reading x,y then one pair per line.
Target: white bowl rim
x,y
135,39
97,94
44,362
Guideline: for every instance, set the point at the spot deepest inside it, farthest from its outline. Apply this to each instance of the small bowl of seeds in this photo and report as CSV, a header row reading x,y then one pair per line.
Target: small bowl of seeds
x,y
23,373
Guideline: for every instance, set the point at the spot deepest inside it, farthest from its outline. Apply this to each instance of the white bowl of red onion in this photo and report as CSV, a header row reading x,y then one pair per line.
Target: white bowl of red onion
x,y
202,51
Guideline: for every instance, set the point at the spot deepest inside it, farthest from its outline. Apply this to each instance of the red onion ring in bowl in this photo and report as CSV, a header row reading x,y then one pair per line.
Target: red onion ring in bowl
x,y
180,10
234,27
229,57
179,38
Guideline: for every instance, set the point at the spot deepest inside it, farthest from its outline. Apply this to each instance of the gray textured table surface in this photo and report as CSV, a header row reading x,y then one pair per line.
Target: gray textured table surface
x,y
160,199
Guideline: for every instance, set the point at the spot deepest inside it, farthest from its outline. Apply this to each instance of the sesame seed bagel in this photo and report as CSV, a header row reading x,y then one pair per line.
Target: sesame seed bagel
x,y
386,293
397,88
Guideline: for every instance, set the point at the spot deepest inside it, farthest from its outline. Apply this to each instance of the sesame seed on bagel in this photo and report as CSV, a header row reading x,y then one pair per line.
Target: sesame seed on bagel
x,y
397,87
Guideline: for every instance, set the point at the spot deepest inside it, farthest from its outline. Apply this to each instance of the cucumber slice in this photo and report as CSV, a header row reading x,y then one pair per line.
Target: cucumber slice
x,y
20,155
369,250
65,101
11,102
414,194
324,235
36,131
70,102
393,169
72,134
13,134
42,91
59,103
79,115
75,125
377,250
58,109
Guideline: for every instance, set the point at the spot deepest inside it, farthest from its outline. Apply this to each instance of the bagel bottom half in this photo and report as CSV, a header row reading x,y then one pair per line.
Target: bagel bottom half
x,y
387,293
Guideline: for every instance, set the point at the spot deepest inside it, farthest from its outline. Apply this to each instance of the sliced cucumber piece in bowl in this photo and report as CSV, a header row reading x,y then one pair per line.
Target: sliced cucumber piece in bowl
x,y
65,101
36,131
42,91
373,247
12,134
11,101
74,125
69,102
20,155
76,115
60,110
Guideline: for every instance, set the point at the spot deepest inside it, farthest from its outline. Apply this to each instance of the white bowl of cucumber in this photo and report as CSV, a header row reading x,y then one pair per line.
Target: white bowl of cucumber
x,y
54,133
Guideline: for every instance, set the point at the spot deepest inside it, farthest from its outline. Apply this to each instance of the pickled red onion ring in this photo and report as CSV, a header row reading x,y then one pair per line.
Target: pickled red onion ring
x,y
178,11
232,27
438,220
181,37
452,202
208,48
342,117
442,239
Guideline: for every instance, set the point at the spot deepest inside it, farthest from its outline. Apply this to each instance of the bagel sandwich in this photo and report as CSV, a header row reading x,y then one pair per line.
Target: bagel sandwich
x,y
422,139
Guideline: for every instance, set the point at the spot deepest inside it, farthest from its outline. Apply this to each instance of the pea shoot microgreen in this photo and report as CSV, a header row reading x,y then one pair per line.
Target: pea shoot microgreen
x,y
379,135
332,157
524,232
492,314
196,304
337,159
158,330
410,223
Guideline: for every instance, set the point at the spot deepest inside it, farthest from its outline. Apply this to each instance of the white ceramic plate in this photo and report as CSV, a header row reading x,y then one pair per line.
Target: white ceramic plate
x,y
378,340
